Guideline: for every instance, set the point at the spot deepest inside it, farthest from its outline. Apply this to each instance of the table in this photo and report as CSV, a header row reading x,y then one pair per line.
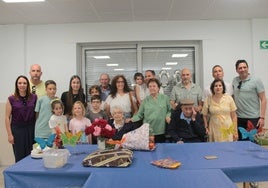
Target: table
x,y
168,178
236,162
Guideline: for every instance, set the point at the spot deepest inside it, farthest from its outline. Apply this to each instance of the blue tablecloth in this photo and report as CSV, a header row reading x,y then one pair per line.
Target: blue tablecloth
x,y
240,161
162,179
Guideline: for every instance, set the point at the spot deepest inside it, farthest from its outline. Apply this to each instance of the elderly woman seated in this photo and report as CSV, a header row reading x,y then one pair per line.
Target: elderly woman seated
x,y
118,122
186,124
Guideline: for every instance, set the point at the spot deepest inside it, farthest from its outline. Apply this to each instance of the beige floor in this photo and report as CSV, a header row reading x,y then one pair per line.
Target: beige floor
x,y
239,185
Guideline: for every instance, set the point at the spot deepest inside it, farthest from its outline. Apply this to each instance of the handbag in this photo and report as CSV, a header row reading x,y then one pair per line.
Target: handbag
x,y
133,110
109,158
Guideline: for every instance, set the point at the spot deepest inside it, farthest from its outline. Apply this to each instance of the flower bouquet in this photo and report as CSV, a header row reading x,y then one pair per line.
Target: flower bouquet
x,y
138,139
102,130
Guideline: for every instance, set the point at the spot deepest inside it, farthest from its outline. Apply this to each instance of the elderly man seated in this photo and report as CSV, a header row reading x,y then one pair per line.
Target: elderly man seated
x,y
186,124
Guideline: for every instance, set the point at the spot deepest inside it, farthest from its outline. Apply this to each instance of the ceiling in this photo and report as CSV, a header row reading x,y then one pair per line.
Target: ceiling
x,y
79,11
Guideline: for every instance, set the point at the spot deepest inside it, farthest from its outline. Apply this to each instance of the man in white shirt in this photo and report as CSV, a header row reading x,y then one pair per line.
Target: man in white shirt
x,y
217,73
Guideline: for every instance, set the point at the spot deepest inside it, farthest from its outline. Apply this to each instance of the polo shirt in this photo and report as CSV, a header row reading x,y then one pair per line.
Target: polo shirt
x,y
180,92
246,98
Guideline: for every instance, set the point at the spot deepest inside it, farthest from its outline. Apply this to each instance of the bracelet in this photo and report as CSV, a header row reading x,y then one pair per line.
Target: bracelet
x,y
261,117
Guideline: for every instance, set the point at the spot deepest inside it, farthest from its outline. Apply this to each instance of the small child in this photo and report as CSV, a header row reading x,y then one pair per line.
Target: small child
x,y
95,90
140,87
96,112
79,122
43,111
58,121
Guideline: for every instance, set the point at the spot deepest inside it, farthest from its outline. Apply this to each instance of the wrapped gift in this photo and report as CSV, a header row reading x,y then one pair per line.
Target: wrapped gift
x,y
166,163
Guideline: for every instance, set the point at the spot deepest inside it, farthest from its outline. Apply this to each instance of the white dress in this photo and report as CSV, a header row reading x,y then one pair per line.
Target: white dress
x,y
122,101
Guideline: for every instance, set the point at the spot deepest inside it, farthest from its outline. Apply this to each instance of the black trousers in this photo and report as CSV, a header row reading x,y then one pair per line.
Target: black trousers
x,y
161,138
23,140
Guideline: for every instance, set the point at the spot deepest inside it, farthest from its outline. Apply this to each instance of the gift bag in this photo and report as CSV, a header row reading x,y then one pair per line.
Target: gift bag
x,y
109,158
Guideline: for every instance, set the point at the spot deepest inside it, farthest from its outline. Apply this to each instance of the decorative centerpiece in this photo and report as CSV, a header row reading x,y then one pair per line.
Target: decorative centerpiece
x,y
250,132
102,130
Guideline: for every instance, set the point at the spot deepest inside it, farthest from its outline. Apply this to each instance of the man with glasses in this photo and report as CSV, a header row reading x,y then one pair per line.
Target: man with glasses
x,y
249,96
36,84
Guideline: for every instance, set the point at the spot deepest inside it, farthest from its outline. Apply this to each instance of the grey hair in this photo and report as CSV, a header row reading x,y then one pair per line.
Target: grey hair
x,y
117,107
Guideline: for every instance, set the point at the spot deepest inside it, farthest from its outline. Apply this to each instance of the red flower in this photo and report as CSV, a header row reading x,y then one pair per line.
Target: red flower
x,y
100,127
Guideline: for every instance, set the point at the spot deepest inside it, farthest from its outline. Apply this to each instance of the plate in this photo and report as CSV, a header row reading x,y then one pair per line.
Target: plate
x,y
36,155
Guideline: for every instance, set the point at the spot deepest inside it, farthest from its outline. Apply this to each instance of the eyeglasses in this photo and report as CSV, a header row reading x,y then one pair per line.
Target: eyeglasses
x,y
120,82
239,85
33,89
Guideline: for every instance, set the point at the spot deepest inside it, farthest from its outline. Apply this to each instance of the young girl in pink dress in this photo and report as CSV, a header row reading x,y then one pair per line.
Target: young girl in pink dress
x,y
79,122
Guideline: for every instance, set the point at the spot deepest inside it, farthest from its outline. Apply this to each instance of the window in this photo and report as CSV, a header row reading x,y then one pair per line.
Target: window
x,y
167,63
166,59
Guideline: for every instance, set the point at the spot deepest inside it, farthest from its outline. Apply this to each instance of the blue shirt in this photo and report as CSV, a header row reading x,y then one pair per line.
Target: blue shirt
x,y
185,118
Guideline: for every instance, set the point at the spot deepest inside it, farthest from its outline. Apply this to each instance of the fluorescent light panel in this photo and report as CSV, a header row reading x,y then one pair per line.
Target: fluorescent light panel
x,y
102,57
166,68
119,69
171,63
112,65
179,55
22,1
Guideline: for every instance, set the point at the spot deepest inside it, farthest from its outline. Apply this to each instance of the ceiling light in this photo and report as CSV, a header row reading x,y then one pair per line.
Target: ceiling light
x,y
171,63
112,65
179,55
102,57
22,1
119,69
166,68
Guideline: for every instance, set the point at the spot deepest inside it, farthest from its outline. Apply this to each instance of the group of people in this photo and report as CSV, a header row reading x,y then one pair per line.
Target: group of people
x,y
34,113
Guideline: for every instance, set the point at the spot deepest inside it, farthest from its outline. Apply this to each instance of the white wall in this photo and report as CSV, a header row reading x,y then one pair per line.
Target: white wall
x,y
223,42
12,57
54,48
260,56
